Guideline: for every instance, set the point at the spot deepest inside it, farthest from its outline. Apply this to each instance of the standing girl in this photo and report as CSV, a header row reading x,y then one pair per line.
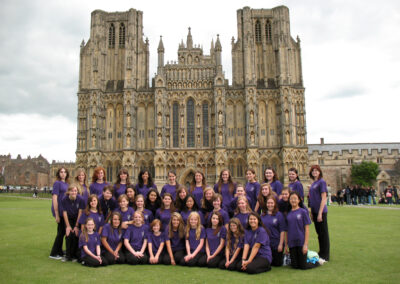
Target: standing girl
x,y
131,193
215,241
155,242
283,203
225,187
167,208
207,201
242,211
257,255
145,183
194,241
271,177
111,239
174,240
153,201
125,211
99,181
92,210
252,187
89,243
171,187
295,184
80,181
275,222
72,205
60,187
107,202
122,183
265,192
139,206
182,193
135,241
234,245
319,211
298,223
197,187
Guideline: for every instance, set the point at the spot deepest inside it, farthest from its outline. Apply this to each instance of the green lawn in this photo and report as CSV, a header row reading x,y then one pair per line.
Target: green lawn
x,y
364,249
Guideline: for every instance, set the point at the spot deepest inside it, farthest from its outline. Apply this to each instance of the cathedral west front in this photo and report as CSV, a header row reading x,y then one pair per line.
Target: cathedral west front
x,y
190,118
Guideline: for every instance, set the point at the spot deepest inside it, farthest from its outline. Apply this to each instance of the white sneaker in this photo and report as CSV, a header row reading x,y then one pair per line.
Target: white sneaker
x,y
56,257
321,261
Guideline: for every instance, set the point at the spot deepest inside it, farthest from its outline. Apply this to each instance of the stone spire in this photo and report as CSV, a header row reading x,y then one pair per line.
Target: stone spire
x,y
160,46
189,40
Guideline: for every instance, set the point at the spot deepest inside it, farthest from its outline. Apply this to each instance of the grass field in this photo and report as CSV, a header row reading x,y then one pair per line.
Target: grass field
x,y
364,249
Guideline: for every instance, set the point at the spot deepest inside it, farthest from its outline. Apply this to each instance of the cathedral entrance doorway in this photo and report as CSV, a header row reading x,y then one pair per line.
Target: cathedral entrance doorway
x,y
186,178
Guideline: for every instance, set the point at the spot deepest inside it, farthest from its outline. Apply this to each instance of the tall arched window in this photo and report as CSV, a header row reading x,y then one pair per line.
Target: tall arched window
x,y
258,31
268,31
190,122
122,35
205,125
111,36
175,125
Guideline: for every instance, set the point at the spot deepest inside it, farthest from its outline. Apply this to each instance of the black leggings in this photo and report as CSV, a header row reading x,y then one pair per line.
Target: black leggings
x,y
92,262
111,259
133,260
258,265
299,260
178,256
277,257
212,263
58,242
323,235
231,266
71,242
198,260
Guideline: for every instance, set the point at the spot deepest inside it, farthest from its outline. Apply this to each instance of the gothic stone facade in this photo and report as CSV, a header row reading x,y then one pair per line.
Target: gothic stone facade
x,y
191,118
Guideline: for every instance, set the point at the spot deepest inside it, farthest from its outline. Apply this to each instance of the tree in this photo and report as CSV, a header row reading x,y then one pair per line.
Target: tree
x,y
365,173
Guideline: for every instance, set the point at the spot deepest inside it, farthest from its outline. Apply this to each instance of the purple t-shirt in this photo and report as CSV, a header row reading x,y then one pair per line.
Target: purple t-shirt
x,y
185,216
277,187
144,189
298,187
97,218
252,190
176,242
127,215
92,243
164,216
243,217
119,191
155,241
171,189
259,236
198,195
226,195
107,206
275,224
193,243
59,189
72,206
97,188
114,237
225,217
296,221
215,240
85,194
316,189
234,246
148,216
136,236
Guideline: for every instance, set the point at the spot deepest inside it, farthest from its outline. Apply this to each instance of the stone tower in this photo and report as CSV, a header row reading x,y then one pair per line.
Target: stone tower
x,y
191,118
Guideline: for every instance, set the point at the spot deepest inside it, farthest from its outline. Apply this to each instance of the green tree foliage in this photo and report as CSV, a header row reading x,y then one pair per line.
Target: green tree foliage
x,y
364,174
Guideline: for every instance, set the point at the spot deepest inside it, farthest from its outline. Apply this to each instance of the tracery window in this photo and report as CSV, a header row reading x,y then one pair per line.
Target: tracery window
x,y
190,122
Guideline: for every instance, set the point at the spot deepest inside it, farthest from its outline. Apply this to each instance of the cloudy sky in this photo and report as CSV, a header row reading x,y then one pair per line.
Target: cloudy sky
x,y
349,53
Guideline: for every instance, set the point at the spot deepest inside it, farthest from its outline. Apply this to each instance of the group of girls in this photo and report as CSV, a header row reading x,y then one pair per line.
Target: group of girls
x,y
230,226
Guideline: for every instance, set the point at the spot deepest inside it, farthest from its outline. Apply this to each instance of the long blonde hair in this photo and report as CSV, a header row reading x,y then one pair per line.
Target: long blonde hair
x,y
198,227
76,180
248,208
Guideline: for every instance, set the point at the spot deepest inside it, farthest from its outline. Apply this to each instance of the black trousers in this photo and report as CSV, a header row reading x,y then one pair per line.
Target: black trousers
x,y
111,259
198,260
90,261
160,258
71,242
178,256
233,265
299,260
323,235
258,265
277,257
214,262
58,242
133,260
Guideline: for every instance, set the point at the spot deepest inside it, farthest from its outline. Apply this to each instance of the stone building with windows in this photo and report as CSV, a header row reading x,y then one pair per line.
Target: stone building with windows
x,y
191,118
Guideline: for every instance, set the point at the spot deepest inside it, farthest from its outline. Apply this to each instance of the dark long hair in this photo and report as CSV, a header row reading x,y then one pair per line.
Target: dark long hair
x,y
58,174
118,183
275,175
140,179
301,204
193,183
231,185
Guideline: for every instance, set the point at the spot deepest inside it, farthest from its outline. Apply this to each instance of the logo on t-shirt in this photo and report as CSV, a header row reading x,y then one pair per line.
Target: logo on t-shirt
x,y
298,216
142,234
275,220
129,216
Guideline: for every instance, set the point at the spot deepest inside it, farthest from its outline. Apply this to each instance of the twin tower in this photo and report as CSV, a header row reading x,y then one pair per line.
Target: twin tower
x,y
191,118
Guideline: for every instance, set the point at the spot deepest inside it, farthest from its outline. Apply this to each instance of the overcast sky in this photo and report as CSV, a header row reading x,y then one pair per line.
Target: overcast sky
x,y
350,57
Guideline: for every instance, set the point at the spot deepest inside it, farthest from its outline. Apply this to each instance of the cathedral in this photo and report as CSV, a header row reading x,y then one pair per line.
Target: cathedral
x,y
190,118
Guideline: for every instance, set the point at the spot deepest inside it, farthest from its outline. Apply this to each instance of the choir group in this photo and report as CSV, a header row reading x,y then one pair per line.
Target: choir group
x,y
246,228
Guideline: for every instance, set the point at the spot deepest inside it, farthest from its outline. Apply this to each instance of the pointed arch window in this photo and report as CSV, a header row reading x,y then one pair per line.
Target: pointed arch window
x,y
268,31
206,139
122,35
190,122
175,125
111,36
258,32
